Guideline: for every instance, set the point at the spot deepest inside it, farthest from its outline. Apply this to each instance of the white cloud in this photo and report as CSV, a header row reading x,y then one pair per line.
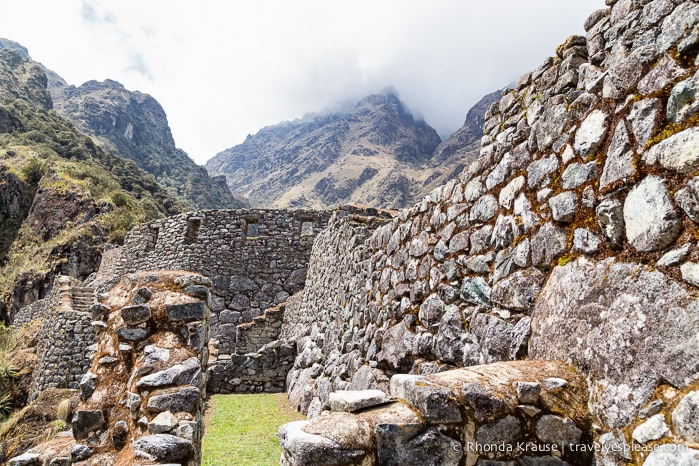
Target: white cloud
x,y
223,69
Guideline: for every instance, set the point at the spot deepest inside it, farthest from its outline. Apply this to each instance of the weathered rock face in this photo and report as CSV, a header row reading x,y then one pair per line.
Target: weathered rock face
x,y
629,326
136,125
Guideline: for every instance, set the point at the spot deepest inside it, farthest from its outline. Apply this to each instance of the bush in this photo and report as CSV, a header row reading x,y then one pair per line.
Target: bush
x,y
33,171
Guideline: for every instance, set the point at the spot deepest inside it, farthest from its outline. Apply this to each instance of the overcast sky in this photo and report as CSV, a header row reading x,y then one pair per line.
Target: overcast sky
x,y
223,69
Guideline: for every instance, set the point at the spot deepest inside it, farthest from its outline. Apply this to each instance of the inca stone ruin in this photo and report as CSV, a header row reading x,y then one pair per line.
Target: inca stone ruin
x,y
541,309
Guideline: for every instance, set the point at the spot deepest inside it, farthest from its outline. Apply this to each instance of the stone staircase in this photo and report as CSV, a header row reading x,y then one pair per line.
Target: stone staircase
x,y
82,298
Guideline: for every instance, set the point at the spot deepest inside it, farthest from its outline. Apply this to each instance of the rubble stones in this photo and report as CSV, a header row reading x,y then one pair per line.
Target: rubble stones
x,y
184,399
548,244
557,430
611,220
187,312
585,241
518,291
577,174
134,315
688,199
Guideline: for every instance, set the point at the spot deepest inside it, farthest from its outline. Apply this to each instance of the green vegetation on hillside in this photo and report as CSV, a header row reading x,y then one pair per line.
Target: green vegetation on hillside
x,y
242,429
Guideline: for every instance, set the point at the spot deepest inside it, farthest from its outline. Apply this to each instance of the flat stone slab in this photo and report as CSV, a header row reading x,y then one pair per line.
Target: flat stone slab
x,y
354,400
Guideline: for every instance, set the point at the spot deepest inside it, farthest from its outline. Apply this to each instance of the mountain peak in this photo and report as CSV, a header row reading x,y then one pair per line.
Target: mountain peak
x,y
358,152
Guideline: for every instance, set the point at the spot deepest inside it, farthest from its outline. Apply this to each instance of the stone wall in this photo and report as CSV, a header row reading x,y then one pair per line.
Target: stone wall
x,y
64,353
265,370
65,339
255,258
262,330
528,413
591,157
39,308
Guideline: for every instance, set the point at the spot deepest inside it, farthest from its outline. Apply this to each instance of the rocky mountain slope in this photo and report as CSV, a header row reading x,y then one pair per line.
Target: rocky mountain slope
x,y
372,152
460,149
135,125
61,195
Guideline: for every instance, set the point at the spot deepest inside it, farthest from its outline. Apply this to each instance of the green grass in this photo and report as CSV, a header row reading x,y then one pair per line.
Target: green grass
x,y
242,429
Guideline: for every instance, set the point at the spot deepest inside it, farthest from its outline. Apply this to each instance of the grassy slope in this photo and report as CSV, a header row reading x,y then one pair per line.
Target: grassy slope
x,y
242,429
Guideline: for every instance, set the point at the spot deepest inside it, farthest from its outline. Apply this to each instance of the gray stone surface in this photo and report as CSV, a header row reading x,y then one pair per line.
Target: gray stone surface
x,y
557,430
80,452
620,159
519,290
685,417
539,169
528,392
654,428
483,401
677,24
434,403
509,192
688,199
134,315
674,257
187,312
672,455
185,399
602,300
475,290
507,430
403,447
302,448
484,209
26,459
354,400
666,71
165,448
585,241
650,218
549,243
564,206
577,174
610,218
86,421
643,117
682,103
172,375
678,153
162,423
591,133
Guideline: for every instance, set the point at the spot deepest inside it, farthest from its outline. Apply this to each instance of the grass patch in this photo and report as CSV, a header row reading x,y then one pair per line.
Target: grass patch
x,y
242,429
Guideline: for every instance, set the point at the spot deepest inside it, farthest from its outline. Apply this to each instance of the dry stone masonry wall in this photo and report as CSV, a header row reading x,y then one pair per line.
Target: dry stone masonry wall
x,y
255,258
572,238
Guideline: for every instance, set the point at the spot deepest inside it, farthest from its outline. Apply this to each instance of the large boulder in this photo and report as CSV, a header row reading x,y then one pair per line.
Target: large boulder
x,y
626,325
